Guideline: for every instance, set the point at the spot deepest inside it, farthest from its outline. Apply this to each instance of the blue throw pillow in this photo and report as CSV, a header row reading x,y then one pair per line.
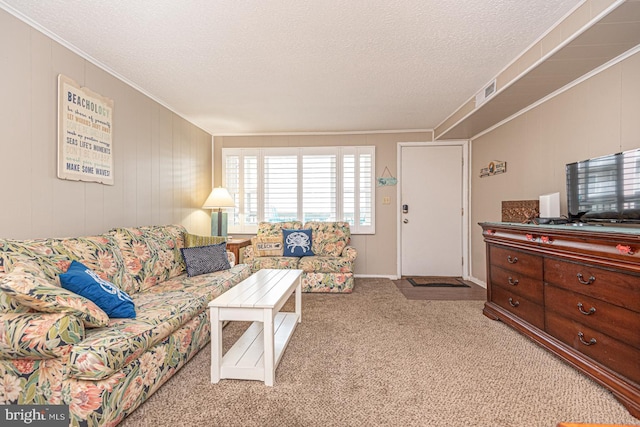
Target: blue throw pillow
x,y
205,259
297,242
81,280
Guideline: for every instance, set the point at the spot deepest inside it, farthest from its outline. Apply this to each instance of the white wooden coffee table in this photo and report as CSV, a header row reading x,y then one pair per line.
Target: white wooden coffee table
x,y
258,298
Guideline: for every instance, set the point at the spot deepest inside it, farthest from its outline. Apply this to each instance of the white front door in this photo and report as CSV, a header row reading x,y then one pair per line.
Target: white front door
x,y
431,218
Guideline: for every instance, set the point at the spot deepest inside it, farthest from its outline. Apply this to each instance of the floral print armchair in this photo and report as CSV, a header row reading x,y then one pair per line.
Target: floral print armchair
x,y
330,269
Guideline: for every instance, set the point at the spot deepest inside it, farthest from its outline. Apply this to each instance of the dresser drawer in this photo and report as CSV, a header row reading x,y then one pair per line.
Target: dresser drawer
x,y
516,261
615,355
607,318
614,287
522,307
518,283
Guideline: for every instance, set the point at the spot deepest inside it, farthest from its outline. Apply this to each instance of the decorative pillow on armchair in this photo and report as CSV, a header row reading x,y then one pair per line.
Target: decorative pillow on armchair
x,y
297,243
267,246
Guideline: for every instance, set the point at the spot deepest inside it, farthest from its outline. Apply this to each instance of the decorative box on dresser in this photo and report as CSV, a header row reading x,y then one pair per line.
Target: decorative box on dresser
x,y
576,291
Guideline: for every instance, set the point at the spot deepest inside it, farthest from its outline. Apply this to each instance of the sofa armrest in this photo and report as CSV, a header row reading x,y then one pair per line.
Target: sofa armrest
x,y
232,258
350,253
248,254
38,335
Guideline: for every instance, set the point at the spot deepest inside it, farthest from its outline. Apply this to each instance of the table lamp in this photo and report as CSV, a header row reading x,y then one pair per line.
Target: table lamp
x,y
219,199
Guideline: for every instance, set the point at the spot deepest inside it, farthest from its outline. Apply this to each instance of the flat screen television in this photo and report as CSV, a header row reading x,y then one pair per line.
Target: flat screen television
x,y
605,189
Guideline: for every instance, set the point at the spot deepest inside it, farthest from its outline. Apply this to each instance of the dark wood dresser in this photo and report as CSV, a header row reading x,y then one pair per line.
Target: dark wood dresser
x,y
575,290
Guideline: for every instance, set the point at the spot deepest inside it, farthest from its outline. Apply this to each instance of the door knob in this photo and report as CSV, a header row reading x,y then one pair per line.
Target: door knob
x,y
406,221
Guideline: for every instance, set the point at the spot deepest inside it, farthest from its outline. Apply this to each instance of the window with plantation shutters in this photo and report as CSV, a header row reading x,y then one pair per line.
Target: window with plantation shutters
x,y
250,189
319,182
280,187
305,184
365,193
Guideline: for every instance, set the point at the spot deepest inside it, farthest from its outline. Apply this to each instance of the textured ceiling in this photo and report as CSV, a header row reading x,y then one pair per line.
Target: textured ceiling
x,y
234,67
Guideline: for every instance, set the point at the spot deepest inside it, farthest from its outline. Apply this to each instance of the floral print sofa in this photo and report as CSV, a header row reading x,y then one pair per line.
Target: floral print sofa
x,y
102,368
330,269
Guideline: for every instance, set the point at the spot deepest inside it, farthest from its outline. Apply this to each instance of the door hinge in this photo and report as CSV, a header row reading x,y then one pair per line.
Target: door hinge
x,y
462,261
461,211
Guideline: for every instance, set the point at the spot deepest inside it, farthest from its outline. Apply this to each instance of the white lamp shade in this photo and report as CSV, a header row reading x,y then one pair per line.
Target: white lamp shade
x,y
219,198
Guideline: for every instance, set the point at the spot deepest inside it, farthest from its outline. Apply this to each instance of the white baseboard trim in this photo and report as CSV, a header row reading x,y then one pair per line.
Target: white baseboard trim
x,y
477,281
375,276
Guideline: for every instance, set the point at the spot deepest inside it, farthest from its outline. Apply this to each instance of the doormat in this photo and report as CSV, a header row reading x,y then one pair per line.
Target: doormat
x,y
438,282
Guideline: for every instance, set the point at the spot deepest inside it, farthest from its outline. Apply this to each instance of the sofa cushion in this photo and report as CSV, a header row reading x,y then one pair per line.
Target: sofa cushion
x,y
105,351
274,229
82,281
329,238
11,262
297,242
323,264
151,254
8,304
38,335
267,246
40,295
205,259
209,285
278,262
100,253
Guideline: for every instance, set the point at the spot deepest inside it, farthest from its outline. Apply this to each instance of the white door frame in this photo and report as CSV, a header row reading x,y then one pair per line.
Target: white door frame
x,y
466,217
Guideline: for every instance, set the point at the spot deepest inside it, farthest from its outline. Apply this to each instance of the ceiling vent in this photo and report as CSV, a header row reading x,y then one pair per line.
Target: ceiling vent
x,y
485,93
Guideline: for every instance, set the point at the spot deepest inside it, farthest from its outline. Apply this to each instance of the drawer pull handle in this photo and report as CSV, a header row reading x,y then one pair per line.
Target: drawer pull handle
x,y
512,260
586,313
585,282
513,303
512,282
592,341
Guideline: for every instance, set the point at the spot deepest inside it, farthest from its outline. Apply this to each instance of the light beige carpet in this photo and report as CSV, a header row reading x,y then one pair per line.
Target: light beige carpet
x,y
374,358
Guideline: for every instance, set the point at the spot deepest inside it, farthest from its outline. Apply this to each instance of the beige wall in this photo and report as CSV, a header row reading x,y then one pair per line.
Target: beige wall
x,y
598,116
162,163
376,253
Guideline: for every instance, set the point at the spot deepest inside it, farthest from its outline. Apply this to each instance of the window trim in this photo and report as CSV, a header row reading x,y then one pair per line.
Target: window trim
x,y
339,151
